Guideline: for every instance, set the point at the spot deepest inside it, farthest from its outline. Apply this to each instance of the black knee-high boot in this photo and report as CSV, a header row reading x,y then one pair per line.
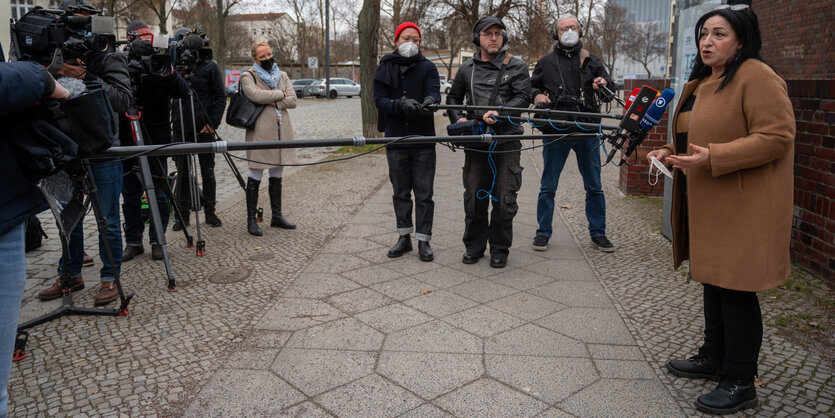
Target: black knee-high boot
x,y
275,202
252,186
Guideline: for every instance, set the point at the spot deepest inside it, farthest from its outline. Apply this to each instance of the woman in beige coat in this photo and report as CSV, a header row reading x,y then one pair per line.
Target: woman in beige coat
x,y
732,198
265,84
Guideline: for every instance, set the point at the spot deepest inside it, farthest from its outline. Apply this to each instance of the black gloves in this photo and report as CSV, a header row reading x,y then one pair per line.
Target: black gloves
x,y
425,109
408,107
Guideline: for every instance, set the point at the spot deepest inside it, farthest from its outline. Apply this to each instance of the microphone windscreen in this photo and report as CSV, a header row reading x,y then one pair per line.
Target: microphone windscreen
x,y
631,98
75,86
141,48
193,42
631,121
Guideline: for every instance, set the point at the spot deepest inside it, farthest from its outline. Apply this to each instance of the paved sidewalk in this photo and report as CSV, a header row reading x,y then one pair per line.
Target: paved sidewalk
x,y
325,324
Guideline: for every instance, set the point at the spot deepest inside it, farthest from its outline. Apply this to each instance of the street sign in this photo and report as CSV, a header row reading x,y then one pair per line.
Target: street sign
x,y
312,62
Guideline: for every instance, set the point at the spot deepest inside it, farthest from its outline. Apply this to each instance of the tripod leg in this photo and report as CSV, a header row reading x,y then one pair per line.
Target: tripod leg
x,y
169,193
156,219
195,195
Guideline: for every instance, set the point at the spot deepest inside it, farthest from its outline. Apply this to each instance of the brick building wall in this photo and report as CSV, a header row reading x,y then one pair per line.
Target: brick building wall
x,y
798,43
634,178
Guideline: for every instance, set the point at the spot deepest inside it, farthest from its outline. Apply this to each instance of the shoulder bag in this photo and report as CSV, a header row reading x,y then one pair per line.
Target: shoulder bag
x,y
242,112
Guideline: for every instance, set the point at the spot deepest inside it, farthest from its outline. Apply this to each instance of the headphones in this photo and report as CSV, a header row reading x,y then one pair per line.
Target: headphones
x,y
556,32
478,23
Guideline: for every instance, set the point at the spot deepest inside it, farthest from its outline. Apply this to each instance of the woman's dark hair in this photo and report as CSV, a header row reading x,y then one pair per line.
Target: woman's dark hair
x,y
747,28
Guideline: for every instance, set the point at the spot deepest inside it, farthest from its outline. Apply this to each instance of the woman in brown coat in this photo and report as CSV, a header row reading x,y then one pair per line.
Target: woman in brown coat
x,y
732,198
265,84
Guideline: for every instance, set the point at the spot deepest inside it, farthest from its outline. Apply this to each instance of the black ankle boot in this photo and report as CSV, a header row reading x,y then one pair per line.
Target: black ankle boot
x,y
425,251
403,245
252,186
696,367
277,221
729,397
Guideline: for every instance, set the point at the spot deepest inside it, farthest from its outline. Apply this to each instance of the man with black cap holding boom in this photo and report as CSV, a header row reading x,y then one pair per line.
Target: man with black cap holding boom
x,y
492,77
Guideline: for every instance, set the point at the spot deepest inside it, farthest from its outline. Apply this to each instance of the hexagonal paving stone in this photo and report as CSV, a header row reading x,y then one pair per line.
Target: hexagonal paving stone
x,y
483,321
548,378
482,290
575,293
403,288
229,392
433,337
392,318
525,306
593,325
440,303
319,285
489,398
346,334
533,340
290,314
430,374
316,371
626,398
379,398
359,300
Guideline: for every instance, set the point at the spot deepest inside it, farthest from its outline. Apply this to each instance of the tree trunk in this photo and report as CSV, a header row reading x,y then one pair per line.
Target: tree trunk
x,y
368,23
220,55
163,17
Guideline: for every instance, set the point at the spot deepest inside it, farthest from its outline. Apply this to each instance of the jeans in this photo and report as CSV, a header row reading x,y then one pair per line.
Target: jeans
x,y
108,179
498,229
12,282
413,169
588,160
207,172
733,331
132,196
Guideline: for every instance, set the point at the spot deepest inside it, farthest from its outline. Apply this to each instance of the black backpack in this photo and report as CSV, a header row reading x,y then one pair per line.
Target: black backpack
x,y
34,233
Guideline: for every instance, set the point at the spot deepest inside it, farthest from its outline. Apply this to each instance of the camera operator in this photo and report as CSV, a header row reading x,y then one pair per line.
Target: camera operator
x,y
22,85
491,77
567,79
207,84
111,71
153,94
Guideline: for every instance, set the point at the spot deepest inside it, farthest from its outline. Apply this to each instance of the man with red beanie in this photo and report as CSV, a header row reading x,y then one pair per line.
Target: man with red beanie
x,y
406,84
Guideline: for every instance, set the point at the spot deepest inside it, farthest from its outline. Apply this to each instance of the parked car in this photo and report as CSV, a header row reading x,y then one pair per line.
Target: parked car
x,y
298,86
231,89
339,87
446,86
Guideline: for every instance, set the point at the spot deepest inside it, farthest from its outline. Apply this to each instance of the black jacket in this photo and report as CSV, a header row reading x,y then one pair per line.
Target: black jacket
x,y
153,98
112,69
475,82
22,84
207,83
562,67
417,80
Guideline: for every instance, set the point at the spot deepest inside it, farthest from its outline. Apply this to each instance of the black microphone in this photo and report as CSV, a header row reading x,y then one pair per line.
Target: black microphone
x,y
193,41
631,122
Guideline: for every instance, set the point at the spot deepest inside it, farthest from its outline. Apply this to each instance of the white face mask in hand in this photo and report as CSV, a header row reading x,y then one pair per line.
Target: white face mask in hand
x,y
569,38
407,49
659,169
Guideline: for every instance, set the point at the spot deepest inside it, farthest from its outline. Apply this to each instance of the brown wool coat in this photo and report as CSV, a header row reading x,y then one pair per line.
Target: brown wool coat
x,y
734,221
266,126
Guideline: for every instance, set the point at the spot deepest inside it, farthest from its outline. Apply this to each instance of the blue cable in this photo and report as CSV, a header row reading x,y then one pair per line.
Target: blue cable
x,y
484,194
511,122
552,125
531,123
578,125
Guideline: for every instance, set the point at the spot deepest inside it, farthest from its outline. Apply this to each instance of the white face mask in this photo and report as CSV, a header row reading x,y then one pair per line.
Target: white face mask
x,y
407,49
570,38
660,169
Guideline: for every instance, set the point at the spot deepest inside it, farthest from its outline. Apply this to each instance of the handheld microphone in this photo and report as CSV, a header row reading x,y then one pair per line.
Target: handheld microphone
x,y
631,97
650,119
630,124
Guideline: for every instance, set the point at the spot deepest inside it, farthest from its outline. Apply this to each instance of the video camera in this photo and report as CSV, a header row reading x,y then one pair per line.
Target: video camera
x,y
51,37
148,57
188,48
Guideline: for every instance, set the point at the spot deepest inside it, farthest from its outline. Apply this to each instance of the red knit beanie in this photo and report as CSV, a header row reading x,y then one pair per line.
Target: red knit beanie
x,y
403,26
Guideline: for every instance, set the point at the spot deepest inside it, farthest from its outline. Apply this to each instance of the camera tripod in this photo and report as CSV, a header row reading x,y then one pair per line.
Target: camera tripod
x,y
143,172
66,219
191,165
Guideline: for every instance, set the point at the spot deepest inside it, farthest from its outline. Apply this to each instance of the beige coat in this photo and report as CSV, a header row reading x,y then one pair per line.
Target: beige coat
x,y
737,210
266,127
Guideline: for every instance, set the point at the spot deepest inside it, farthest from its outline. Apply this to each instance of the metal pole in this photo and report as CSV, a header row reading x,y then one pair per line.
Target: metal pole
x,y
327,50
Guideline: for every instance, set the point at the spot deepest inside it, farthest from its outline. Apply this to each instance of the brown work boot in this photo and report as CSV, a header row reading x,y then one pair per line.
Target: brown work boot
x,y
54,291
107,293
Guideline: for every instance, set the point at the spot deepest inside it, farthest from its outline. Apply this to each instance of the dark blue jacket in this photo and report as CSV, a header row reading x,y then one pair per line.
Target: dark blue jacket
x,y
22,84
418,81
153,98
209,92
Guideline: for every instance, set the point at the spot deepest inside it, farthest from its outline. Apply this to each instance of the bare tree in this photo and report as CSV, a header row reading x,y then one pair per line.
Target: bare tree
x,y
368,25
445,38
647,43
161,10
611,32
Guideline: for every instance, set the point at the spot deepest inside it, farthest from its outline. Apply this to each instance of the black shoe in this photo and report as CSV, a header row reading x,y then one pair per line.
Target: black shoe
x,y
87,261
213,220
425,251
603,244
729,397
498,262
696,367
470,258
252,187
278,221
156,252
403,245
178,226
540,243
132,251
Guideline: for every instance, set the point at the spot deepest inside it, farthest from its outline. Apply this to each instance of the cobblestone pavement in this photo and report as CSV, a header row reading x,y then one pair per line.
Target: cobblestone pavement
x,y
325,324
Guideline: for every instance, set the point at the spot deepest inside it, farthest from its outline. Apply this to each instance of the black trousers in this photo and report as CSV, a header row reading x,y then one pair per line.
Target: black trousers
x,y
733,331
207,172
478,179
412,169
